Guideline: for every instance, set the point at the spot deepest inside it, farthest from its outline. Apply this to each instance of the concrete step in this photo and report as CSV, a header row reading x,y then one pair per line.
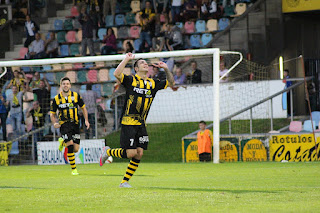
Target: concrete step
x,y
63,13
17,48
46,27
12,54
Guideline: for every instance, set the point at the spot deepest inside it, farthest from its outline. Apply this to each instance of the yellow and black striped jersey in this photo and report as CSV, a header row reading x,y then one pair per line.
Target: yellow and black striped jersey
x,y
67,106
139,96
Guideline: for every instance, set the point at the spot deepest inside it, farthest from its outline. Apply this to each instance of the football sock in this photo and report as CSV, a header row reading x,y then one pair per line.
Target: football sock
x,y
119,153
71,157
132,167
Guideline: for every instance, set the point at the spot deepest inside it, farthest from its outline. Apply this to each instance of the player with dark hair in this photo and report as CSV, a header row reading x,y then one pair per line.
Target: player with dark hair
x,y
67,103
140,92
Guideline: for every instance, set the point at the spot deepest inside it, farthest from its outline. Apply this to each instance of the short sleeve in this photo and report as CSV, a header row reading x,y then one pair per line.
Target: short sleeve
x,y
126,80
80,101
53,107
161,84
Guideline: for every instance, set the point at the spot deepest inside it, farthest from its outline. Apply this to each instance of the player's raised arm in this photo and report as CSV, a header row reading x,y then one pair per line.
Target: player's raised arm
x,y
169,75
117,73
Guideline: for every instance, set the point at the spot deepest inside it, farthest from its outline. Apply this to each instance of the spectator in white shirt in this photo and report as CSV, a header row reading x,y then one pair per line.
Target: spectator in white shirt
x,y
31,29
223,70
36,49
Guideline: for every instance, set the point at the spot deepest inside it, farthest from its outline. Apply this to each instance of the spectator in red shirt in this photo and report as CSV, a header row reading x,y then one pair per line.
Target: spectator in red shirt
x,y
111,43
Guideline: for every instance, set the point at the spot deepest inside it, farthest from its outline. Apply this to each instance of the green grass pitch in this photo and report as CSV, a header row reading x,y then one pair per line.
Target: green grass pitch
x,y
163,187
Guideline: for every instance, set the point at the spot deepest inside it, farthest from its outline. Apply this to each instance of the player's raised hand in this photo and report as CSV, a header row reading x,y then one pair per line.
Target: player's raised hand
x,y
129,56
161,64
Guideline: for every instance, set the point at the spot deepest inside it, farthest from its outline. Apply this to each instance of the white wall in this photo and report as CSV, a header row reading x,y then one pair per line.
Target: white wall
x,y
194,103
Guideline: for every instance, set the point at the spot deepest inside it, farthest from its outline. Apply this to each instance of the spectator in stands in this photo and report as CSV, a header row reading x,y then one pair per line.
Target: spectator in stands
x,y
195,75
38,115
35,81
51,46
145,34
96,19
176,8
36,49
158,74
158,41
128,47
223,70
227,2
31,29
111,43
87,32
162,6
174,40
90,98
15,118
80,4
205,139
3,114
43,95
109,5
286,76
179,77
209,9
17,81
190,10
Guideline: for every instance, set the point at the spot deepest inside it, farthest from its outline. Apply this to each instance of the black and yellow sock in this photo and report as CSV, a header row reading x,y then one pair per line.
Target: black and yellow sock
x,y
132,167
119,153
71,157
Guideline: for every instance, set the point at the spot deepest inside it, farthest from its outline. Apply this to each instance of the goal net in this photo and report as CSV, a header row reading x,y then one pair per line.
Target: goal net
x,y
175,112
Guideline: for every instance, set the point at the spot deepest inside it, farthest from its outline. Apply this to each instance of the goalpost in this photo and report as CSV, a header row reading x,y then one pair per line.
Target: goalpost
x,y
208,61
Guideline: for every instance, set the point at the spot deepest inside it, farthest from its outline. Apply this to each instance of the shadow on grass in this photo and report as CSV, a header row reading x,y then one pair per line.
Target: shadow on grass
x,y
235,191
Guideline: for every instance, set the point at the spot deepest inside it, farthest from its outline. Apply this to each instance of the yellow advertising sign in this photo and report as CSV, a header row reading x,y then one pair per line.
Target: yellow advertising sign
x,y
228,152
254,150
294,148
290,6
192,152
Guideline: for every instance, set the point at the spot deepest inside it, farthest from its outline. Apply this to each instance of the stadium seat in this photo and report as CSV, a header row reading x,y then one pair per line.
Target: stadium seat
x,y
223,23
107,89
195,41
136,44
53,91
78,65
100,64
130,18
135,6
60,75
119,20
71,36
119,44
50,76
14,148
23,51
295,126
68,24
101,33
97,89
26,69
81,76
162,18
72,75
307,125
316,116
200,26
46,68
123,32
109,21
228,10
61,36
108,104
206,38
135,32
76,24
58,24
64,50
56,67
189,27
88,65
92,76
74,12
212,25
103,75
67,66
79,35
179,24
112,77
240,9
74,49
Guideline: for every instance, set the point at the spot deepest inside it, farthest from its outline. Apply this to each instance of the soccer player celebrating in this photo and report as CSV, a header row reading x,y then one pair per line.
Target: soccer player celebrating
x,y
67,103
140,92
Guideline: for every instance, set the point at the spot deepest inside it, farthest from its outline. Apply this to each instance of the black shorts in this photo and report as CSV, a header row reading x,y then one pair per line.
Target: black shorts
x,y
70,131
133,136
205,157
